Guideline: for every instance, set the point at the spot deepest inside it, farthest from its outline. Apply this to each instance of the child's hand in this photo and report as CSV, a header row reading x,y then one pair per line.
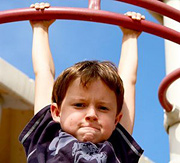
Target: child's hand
x,y
44,23
134,16
40,6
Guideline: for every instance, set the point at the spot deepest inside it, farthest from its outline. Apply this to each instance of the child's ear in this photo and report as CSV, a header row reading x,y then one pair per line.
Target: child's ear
x,y
118,118
55,112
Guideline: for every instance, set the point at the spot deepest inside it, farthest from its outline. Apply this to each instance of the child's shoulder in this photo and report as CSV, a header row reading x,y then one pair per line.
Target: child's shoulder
x,y
125,145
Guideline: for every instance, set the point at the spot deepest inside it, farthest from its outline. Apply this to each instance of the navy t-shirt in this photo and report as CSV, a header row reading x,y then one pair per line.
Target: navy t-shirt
x,y
44,141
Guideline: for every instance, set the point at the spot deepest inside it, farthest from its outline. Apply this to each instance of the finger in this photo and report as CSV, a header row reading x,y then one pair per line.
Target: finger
x,y
47,5
138,16
133,16
129,13
143,17
42,5
37,6
32,6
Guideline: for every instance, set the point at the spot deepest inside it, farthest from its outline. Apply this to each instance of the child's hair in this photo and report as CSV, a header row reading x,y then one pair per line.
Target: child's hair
x,y
89,71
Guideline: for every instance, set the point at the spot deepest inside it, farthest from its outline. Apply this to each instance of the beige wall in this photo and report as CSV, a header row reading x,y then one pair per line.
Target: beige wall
x,y
12,123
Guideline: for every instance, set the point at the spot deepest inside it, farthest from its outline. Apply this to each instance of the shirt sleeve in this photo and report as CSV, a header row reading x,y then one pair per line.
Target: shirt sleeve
x,y
126,148
34,129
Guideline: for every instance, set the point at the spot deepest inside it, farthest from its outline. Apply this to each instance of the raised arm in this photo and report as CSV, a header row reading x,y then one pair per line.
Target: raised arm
x,y
42,61
128,71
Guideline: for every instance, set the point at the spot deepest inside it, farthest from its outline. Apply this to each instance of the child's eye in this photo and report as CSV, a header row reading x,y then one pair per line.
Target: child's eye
x,y
103,108
79,105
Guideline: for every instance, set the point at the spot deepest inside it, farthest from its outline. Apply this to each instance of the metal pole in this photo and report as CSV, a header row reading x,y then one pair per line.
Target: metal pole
x,y
89,15
156,6
172,119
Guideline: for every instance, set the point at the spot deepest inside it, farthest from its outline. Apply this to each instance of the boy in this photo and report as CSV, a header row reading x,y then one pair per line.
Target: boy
x,y
82,123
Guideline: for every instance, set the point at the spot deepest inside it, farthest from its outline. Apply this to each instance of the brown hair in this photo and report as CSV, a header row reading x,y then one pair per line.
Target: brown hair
x,y
89,71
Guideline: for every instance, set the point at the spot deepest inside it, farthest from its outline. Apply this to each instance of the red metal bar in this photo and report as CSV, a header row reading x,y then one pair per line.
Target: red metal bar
x,y
156,6
89,15
166,82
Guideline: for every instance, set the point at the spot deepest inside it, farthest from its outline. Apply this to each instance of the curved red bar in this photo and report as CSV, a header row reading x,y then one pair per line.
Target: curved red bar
x,y
89,15
156,6
170,12
166,82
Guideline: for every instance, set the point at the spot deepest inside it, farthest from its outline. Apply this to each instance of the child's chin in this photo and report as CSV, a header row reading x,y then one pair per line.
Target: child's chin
x,y
89,137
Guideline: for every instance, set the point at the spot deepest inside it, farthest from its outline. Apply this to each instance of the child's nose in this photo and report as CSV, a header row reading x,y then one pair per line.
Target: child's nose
x,y
91,114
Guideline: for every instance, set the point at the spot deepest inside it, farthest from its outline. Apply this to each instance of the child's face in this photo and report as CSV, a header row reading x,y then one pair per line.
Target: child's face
x,y
88,113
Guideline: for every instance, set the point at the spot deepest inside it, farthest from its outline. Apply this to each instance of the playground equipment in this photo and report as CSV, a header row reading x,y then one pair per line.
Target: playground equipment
x,y
94,14
169,97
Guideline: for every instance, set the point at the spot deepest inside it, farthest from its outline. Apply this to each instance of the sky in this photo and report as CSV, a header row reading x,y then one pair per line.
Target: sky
x,y
72,41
